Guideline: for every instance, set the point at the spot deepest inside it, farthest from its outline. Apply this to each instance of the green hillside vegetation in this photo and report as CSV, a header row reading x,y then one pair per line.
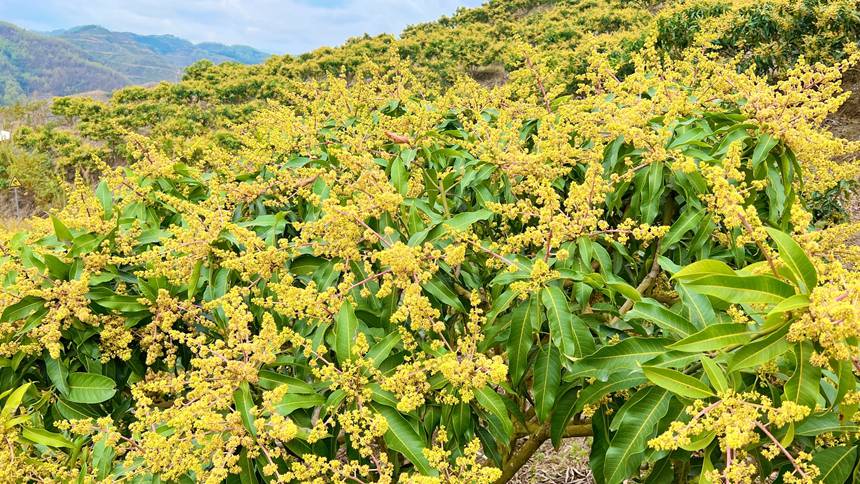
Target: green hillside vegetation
x,y
92,58
35,66
150,58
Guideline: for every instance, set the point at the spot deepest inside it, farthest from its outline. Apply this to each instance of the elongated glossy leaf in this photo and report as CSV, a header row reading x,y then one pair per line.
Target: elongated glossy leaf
x,y
547,378
652,311
402,438
345,332
443,293
62,232
567,331
715,374
561,415
270,380
521,337
759,352
794,303
630,403
294,401
45,437
625,354
23,308
597,390
495,404
714,337
822,424
802,387
795,258
247,475
399,175
380,351
625,453
58,373
13,401
846,380
699,308
703,268
743,289
90,388
677,382
835,464
244,403
688,220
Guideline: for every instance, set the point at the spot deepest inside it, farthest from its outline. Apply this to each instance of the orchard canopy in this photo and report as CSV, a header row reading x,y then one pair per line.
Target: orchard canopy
x,y
378,275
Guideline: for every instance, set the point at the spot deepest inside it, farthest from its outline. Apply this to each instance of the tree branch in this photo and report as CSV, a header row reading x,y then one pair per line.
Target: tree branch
x,y
646,283
539,435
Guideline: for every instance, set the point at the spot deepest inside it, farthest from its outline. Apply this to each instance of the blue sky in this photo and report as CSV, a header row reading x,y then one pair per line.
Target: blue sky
x,y
286,26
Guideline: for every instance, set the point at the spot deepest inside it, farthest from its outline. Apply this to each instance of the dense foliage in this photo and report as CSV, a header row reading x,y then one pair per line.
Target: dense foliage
x,y
384,276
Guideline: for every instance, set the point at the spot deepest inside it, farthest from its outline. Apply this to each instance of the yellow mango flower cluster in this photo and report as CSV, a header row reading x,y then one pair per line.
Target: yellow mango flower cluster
x,y
737,419
309,268
832,320
465,469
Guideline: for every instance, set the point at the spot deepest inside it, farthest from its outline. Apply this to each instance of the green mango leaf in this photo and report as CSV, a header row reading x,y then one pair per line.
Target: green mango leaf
x,y
713,338
294,401
247,474
625,354
652,311
835,464
625,453
699,308
743,289
794,303
13,401
703,268
822,424
22,309
346,330
597,390
561,415
399,176
58,373
443,293
62,232
524,318
803,386
677,382
269,380
759,352
547,378
244,403
402,438
495,404
764,144
90,388
568,331
380,351
715,374
795,258
47,438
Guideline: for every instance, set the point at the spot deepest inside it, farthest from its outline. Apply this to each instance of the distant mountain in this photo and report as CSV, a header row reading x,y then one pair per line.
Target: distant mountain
x,y
148,58
93,58
33,65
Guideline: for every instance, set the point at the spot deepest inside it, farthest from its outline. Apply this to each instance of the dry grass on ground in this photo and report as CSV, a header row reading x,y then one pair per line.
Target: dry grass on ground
x,y
568,465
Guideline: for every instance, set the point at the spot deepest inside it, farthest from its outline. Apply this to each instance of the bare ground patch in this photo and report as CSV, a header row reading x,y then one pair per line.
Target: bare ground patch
x,y
567,465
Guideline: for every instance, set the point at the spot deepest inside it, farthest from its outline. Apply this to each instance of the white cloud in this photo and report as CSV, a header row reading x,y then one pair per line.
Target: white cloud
x,y
290,26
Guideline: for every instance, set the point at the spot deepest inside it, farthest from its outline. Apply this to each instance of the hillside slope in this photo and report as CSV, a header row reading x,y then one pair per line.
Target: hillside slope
x,y
92,58
33,65
149,58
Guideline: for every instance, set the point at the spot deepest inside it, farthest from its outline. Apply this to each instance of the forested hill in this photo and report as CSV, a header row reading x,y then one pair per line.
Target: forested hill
x,y
92,58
